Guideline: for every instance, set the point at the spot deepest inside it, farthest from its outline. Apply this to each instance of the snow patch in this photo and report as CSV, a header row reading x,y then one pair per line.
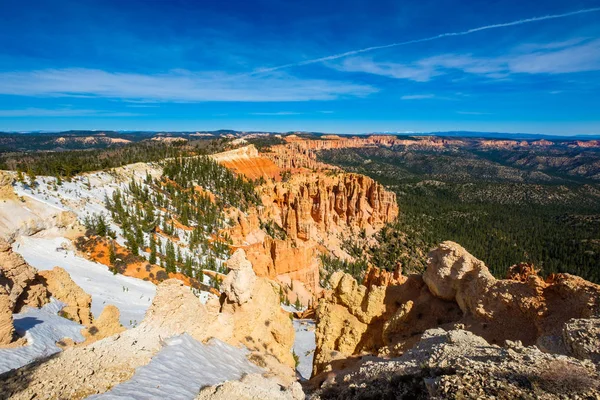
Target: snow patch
x,y
42,328
304,346
130,295
182,368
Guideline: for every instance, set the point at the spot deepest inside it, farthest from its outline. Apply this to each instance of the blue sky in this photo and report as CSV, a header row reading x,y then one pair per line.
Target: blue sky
x,y
310,65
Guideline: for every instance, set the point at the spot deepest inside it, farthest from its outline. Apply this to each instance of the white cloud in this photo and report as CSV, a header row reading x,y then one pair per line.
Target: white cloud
x,y
575,55
175,86
472,113
579,58
417,96
276,113
419,73
428,39
64,112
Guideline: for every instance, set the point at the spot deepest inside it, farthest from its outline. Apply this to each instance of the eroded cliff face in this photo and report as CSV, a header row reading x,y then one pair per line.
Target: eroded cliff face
x,y
302,217
317,205
312,214
15,275
247,161
456,291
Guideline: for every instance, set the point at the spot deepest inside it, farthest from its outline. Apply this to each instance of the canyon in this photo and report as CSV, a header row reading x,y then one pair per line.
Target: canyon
x,y
451,330
314,212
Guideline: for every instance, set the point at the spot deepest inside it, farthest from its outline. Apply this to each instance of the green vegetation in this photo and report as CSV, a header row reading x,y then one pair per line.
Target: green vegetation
x,y
69,163
501,213
332,264
231,190
173,223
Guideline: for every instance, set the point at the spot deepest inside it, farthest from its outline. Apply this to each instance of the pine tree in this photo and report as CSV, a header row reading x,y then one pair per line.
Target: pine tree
x,y
101,228
152,259
112,257
20,176
31,176
170,257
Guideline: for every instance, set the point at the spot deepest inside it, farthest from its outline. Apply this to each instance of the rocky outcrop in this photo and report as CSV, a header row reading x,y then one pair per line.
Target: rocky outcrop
x,y
530,311
253,312
239,283
313,206
36,294
15,275
449,266
248,162
107,324
457,364
276,258
354,319
252,387
307,216
455,290
582,338
7,328
80,371
59,284
380,277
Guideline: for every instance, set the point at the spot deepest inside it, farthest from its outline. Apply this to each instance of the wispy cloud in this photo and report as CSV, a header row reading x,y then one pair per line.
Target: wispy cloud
x,y
419,73
175,86
65,112
551,58
417,96
473,113
276,113
142,105
428,39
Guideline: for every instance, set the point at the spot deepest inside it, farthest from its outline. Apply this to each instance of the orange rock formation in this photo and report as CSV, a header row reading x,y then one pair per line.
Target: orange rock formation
x,y
456,290
247,161
308,214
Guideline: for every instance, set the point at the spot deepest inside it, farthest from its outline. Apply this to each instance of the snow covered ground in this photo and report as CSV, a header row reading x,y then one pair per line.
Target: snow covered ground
x,y
85,196
43,328
130,295
304,346
181,368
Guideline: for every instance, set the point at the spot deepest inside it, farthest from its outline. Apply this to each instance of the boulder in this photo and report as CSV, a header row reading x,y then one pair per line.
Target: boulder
x,y
59,284
353,319
107,324
457,289
449,265
458,364
15,273
582,338
239,283
260,324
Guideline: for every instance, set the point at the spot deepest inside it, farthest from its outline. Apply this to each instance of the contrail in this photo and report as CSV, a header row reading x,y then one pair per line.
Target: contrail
x,y
428,39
